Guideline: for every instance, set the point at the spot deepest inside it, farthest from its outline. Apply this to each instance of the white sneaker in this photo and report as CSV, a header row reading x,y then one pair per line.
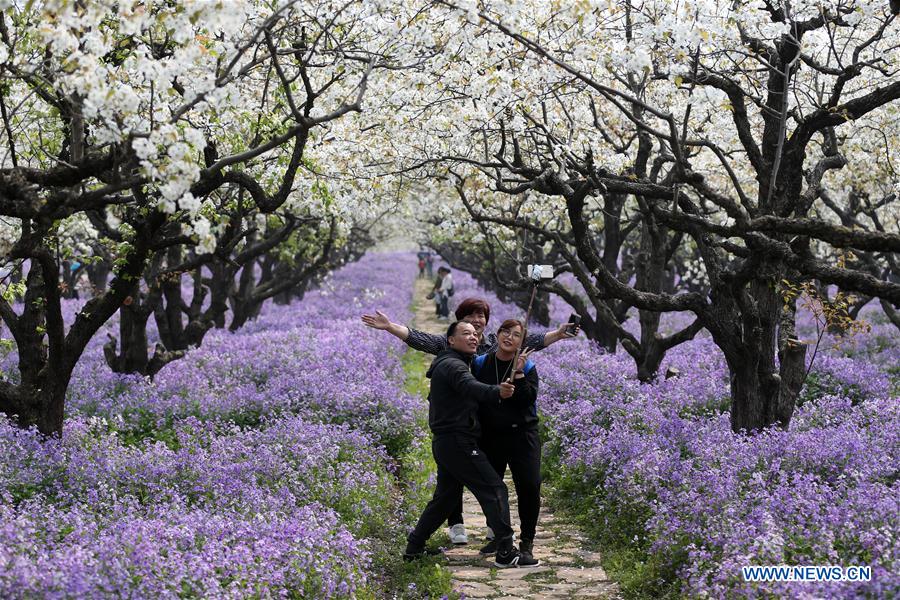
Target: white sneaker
x,y
458,534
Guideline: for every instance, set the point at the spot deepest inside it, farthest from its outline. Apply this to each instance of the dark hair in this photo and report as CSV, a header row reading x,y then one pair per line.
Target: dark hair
x,y
444,269
510,323
470,306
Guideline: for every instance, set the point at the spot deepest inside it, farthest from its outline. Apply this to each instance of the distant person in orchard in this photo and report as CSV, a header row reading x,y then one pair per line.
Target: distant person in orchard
x,y
477,312
422,256
429,265
435,295
453,402
443,293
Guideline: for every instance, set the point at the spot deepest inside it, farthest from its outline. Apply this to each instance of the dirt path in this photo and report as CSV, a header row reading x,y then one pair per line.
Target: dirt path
x,y
567,569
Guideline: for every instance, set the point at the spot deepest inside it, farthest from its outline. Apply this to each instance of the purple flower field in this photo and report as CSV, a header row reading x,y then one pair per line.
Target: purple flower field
x,y
263,464
659,462
266,462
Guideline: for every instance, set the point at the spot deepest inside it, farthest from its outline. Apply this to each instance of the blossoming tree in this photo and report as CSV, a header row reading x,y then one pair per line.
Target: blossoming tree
x,y
724,126
151,120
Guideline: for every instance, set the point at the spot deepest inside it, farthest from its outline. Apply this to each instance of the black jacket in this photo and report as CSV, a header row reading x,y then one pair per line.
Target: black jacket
x,y
455,395
519,411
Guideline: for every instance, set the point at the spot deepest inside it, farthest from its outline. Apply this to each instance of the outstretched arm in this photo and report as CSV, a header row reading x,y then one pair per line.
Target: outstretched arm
x,y
381,321
550,337
415,339
426,342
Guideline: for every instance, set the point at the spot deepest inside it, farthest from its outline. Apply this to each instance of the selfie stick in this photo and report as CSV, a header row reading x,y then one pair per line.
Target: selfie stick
x,y
535,278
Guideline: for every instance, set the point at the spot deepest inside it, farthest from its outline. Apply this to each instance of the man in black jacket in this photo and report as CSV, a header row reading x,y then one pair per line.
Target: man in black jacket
x,y
453,418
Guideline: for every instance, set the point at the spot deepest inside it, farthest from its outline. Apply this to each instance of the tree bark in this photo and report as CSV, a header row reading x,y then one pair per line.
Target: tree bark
x,y
749,402
892,313
133,356
98,275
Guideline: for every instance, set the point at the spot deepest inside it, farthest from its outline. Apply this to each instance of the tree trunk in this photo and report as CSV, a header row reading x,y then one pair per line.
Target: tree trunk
x,y
648,364
243,312
607,340
540,310
133,331
243,304
749,400
792,376
892,313
759,399
133,355
762,394
98,275
221,285
170,313
44,408
48,353
649,274
284,298
605,337
792,360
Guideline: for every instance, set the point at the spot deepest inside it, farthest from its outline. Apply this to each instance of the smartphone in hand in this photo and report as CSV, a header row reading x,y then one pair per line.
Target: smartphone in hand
x,y
574,322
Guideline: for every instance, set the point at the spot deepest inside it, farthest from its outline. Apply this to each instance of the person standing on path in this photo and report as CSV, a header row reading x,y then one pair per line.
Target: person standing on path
x,y
477,312
444,292
509,429
453,402
435,294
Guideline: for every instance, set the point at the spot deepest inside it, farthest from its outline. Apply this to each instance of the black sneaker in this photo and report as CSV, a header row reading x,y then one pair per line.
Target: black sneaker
x,y
514,559
526,548
491,548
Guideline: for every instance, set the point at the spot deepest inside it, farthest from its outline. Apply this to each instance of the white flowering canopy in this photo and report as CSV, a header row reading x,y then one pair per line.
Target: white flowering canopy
x,y
170,96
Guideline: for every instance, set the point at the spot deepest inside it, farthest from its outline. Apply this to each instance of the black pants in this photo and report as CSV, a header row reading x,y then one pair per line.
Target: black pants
x,y
520,449
461,463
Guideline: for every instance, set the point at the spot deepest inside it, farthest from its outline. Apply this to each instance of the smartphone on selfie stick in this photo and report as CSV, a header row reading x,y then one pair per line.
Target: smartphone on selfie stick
x,y
574,322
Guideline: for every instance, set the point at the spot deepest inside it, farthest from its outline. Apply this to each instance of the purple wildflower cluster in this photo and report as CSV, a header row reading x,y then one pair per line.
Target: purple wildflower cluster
x,y
660,461
262,464
224,514
310,358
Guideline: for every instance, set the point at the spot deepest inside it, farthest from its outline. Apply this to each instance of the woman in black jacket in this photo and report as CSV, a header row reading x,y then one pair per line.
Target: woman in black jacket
x,y
509,428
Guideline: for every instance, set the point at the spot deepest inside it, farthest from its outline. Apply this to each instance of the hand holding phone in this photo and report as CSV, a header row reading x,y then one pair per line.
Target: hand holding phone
x,y
574,322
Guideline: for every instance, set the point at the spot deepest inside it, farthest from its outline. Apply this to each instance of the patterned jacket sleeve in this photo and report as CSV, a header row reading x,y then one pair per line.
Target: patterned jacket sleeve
x,y
426,342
